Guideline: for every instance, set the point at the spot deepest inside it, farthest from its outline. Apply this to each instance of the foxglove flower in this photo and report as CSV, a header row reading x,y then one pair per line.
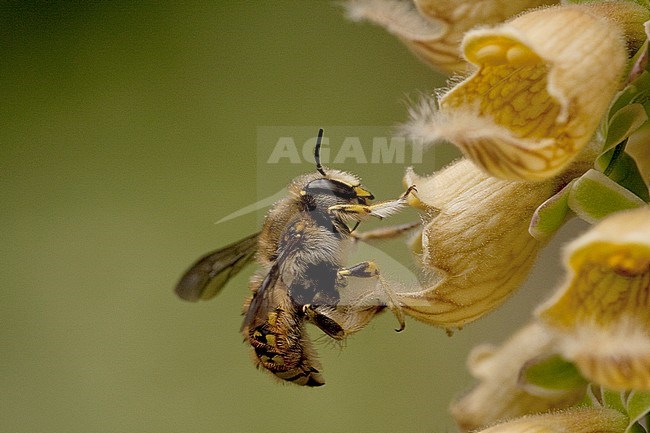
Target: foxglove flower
x,y
601,315
433,29
543,82
475,246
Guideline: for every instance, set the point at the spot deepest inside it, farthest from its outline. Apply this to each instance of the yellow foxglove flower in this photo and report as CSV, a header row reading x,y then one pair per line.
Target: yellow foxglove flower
x,y
475,245
498,396
433,29
542,84
591,420
601,315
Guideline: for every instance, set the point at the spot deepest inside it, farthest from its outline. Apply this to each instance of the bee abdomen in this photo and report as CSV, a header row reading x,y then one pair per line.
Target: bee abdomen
x,y
289,363
303,375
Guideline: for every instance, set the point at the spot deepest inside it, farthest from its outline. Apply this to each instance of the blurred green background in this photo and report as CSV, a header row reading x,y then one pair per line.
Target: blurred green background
x,y
127,131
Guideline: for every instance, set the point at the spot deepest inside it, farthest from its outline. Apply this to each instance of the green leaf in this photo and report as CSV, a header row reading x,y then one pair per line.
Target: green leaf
x,y
592,396
622,169
605,159
634,427
593,196
623,123
551,215
614,400
550,373
635,92
630,93
626,173
638,406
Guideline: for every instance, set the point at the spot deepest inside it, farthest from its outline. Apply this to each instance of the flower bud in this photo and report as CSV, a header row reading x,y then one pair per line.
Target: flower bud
x,y
591,420
499,396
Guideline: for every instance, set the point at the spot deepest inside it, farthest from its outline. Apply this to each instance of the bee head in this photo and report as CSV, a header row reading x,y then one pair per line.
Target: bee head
x,y
335,187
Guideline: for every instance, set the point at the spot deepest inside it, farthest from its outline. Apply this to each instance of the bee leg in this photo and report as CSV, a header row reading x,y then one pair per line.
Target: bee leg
x,y
379,210
369,269
386,232
324,322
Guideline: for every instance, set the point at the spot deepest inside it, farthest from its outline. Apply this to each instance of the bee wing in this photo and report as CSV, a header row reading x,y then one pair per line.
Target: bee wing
x,y
262,298
205,278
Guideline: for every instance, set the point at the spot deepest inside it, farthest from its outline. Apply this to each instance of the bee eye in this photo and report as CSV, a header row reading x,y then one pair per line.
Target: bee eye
x,y
333,187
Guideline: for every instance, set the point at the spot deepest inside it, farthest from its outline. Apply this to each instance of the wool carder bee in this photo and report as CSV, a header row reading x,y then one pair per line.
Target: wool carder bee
x,y
302,250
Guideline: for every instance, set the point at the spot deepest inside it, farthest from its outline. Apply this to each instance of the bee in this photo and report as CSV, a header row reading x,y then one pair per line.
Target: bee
x,y
301,251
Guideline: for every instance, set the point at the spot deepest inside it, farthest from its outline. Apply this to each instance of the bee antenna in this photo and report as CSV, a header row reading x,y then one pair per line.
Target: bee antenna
x,y
319,167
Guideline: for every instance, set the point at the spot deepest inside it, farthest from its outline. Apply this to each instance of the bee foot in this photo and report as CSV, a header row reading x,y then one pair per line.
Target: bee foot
x,y
392,304
410,189
399,315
